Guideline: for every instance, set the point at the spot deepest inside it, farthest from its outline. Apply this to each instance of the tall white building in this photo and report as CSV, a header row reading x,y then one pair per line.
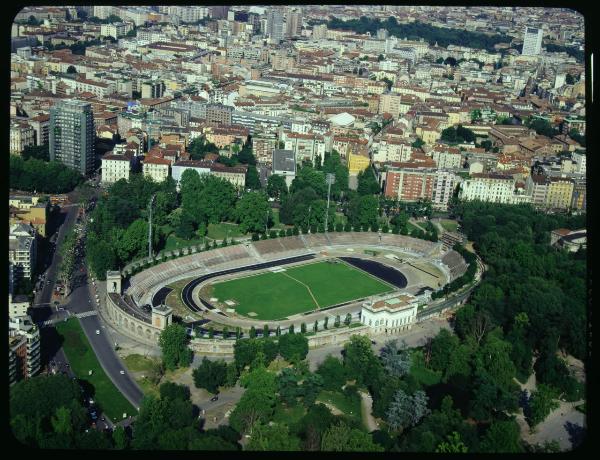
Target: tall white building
x,y
187,13
115,30
103,11
275,26
293,24
319,31
22,250
532,41
24,349
443,187
494,188
72,135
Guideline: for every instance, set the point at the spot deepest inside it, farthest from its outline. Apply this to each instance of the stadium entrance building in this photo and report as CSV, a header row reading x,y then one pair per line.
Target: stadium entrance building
x,y
390,314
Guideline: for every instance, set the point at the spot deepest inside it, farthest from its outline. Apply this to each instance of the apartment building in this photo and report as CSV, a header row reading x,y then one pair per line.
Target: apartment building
x,y
21,135
578,201
444,185
24,349
536,186
115,167
72,135
304,146
158,169
22,250
28,210
409,184
560,193
41,128
495,188
392,150
390,103
446,157
115,30
18,305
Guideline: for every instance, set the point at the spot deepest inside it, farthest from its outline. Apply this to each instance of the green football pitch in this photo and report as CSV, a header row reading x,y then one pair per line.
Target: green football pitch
x,y
273,296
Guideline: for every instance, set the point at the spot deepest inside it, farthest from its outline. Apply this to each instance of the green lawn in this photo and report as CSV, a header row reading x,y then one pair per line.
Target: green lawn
x,y
82,359
277,225
411,227
449,225
223,230
288,415
174,242
138,363
423,375
351,407
279,295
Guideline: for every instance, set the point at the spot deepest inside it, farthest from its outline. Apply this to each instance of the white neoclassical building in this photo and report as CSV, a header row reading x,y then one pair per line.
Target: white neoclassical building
x,y
390,313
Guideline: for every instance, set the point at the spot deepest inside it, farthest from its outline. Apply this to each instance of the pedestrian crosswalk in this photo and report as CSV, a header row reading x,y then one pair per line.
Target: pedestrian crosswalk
x,y
86,314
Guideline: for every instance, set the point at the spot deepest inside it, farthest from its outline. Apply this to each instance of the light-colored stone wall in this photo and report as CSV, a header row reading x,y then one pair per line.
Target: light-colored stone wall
x,y
130,326
220,347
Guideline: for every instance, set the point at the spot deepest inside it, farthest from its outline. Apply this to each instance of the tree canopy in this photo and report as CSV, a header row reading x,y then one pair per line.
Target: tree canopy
x,y
41,176
173,342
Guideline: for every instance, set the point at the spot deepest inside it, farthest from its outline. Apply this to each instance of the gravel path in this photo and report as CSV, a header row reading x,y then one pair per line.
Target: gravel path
x,y
367,408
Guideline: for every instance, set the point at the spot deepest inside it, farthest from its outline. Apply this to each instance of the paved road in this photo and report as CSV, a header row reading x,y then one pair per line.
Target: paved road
x,y
81,300
44,296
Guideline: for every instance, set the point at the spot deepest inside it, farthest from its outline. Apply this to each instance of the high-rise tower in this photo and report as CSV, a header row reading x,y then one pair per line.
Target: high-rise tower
x,y
72,135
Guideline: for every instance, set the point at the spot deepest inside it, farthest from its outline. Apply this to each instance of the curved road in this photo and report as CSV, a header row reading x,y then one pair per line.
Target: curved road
x,y
80,301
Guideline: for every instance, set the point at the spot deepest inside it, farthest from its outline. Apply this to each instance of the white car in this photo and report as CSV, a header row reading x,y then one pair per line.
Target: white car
x,y
97,331
122,372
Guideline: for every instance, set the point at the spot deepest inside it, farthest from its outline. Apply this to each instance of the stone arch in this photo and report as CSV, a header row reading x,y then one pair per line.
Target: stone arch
x,y
147,333
132,326
156,336
126,323
140,331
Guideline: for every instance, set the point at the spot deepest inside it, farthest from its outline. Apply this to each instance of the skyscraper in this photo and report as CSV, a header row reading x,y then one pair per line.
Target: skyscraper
x,y
275,26
219,11
293,23
72,135
532,41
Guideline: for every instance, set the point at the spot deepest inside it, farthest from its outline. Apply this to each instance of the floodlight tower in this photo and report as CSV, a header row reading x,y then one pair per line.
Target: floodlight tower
x,y
330,179
150,226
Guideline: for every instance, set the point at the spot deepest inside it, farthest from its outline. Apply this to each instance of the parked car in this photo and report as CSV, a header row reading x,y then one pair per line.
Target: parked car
x,y
97,331
214,398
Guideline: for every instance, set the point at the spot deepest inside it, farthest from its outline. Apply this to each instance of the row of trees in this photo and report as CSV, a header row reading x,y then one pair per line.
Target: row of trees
x,y
45,177
39,152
